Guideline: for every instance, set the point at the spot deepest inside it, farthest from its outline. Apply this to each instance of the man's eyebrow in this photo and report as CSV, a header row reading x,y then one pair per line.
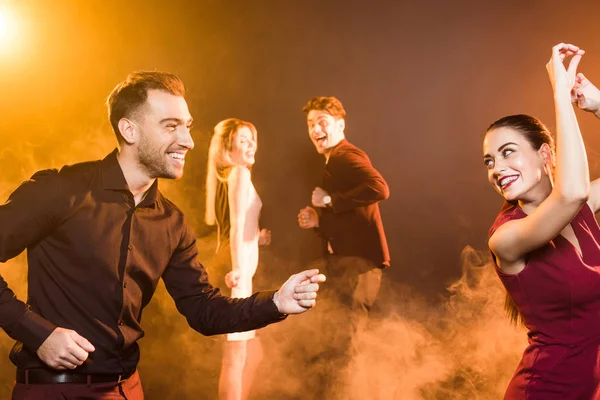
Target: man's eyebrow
x,y
177,120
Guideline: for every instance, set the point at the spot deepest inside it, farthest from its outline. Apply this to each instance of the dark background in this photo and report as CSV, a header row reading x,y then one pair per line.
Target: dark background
x,y
420,82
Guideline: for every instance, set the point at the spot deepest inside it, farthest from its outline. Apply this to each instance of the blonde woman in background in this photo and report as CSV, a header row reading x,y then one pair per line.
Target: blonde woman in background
x,y
234,206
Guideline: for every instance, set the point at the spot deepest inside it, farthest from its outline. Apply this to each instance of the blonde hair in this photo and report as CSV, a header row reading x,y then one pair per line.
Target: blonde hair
x,y
219,162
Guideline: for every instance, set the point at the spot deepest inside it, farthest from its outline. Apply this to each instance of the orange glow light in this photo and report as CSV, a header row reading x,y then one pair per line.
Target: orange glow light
x,y
7,27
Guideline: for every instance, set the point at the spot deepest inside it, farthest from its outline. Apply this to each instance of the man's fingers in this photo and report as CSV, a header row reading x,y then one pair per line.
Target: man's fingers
x,y
82,342
67,365
320,278
304,288
76,353
306,225
70,359
306,219
61,364
304,296
307,303
304,275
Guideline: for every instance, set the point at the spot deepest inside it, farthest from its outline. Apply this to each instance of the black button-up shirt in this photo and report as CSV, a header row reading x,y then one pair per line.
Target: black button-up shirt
x,y
95,260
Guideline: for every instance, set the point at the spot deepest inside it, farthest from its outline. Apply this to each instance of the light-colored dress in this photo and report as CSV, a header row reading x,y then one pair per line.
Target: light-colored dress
x,y
249,246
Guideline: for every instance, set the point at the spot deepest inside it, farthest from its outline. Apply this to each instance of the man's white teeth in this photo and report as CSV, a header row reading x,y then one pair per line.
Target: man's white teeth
x,y
177,156
506,180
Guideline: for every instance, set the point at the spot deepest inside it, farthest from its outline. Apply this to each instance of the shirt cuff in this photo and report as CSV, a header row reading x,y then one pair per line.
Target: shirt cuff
x,y
267,306
31,329
336,203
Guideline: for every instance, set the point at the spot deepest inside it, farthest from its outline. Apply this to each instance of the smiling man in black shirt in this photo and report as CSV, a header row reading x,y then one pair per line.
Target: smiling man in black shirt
x,y
99,236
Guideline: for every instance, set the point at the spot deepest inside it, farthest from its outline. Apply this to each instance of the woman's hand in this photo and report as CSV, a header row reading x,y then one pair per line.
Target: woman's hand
x,y
561,78
232,279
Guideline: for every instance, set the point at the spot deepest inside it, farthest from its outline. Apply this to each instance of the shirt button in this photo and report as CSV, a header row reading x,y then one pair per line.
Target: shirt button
x,y
121,323
130,247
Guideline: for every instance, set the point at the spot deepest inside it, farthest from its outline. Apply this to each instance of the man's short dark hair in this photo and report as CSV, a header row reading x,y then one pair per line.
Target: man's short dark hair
x,y
329,104
128,96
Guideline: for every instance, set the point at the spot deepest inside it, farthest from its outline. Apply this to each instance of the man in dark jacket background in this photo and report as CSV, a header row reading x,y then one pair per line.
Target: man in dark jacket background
x,y
349,222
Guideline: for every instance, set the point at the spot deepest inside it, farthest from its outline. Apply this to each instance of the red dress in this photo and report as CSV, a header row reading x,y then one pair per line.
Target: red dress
x,y
558,295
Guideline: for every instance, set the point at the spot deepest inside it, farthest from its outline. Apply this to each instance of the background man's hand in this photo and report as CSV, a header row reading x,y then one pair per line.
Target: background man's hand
x,y
317,197
308,218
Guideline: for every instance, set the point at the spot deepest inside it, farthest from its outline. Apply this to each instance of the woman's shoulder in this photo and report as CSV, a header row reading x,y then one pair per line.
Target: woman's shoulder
x,y
238,173
508,212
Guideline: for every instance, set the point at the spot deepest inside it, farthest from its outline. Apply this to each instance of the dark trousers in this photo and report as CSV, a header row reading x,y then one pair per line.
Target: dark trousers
x,y
343,307
130,389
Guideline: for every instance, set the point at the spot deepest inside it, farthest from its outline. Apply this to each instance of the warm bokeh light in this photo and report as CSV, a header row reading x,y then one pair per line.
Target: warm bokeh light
x,y
8,27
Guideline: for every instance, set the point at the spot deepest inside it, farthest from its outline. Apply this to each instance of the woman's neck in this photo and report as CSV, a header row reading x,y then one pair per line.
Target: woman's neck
x,y
534,198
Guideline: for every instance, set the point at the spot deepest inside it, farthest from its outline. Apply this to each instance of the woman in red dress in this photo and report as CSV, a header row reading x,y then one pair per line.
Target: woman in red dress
x,y
546,241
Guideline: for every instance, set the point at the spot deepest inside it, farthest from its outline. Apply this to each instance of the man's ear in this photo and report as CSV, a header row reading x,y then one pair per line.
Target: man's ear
x,y
342,124
128,130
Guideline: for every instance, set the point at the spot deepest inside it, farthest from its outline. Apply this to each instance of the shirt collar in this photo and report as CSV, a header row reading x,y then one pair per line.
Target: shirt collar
x,y
335,149
114,179
341,143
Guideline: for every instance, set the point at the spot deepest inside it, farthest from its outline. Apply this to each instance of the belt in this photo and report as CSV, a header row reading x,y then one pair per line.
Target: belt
x,y
42,376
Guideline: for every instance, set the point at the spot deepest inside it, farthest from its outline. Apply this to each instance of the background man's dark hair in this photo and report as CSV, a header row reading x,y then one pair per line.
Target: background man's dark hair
x,y
330,104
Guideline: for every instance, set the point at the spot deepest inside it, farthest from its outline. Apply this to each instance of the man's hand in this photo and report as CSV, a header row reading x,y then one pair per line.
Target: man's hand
x,y
264,237
64,349
586,95
299,293
308,218
317,197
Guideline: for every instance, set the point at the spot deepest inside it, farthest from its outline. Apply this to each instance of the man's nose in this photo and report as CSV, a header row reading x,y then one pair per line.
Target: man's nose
x,y
185,139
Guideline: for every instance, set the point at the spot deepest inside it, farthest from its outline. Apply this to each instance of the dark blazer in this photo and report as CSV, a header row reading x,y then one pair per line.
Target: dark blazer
x,y
352,225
